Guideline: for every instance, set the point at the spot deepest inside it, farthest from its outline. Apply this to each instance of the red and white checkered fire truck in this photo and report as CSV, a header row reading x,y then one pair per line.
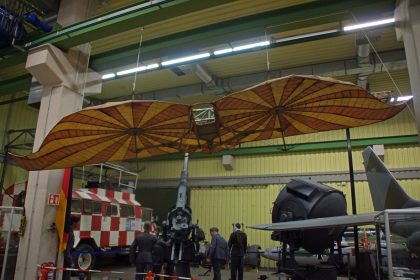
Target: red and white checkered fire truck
x,y
109,219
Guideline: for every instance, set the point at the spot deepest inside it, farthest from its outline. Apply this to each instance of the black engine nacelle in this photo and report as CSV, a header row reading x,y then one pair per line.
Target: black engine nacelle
x,y
304,199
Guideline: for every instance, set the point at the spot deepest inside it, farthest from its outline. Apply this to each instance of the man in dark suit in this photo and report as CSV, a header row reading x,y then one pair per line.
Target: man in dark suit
x,y
158,254
237,247
218,252
68,258
141,251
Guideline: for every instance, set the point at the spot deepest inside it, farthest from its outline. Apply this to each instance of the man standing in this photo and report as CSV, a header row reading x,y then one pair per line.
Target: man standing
x,y
141,251
68,258
237,247
218,252
158,254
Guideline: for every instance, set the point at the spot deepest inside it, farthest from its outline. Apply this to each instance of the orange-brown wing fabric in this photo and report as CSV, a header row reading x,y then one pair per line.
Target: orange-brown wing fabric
x,y
112,132
282,107
296,105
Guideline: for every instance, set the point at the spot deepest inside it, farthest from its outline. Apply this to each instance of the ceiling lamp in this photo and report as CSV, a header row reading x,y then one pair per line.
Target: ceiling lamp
x,y
368,24
242,47
185,59
404,98
137,69
108,76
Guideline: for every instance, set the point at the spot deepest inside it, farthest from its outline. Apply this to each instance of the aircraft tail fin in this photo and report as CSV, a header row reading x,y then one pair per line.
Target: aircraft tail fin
x,y
386,192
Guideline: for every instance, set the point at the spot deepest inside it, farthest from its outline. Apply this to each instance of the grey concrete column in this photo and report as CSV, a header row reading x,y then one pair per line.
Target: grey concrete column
x,y
62,76
60,98
407,22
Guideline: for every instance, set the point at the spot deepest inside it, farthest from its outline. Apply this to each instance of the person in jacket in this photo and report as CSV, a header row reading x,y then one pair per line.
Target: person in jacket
x,y
141,251
68,258
158,254
218,252
237,248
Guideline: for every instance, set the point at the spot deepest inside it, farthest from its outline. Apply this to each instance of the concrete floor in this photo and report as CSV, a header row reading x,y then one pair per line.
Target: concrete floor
x,y
196,272
119,264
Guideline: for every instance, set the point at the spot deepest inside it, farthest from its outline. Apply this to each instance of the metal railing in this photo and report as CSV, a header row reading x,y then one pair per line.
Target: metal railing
x,y
396,224
10,220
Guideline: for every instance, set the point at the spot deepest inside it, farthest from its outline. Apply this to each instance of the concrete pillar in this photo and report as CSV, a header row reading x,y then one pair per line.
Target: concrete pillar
x,y
62,76
407,22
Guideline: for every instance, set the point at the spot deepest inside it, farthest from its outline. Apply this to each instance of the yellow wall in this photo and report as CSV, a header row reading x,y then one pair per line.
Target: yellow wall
x,y
21,116
222,206
302,162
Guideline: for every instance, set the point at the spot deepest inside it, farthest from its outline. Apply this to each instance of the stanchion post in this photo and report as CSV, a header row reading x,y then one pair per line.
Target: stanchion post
x,y
43,272
149,275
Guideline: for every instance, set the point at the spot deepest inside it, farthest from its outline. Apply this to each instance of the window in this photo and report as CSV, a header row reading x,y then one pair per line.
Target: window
x,y
76,206
146,214
87,206
92,207
127,211
96,207
111,210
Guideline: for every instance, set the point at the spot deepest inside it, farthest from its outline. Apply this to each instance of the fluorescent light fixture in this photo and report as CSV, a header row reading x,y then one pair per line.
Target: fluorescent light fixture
x,y
152,66
132,70
185,59
303,36
369,24
250,46
138,69
392,99
108,76
404,98
219,52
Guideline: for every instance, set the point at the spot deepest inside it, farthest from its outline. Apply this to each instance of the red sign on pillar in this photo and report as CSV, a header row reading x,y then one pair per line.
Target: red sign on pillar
x,y
53,199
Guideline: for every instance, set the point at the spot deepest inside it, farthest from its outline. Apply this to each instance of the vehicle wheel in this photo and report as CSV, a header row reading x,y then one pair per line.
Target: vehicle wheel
x,y
85,261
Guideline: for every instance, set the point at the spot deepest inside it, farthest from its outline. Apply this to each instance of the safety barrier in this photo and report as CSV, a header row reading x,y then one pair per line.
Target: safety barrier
x,y
76,253
45,269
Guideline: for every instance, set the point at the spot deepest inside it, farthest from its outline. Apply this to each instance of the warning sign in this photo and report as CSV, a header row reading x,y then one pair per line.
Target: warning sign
x,y
53,199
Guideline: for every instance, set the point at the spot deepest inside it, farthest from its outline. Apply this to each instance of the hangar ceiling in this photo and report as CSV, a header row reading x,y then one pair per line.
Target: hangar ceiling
x,y
229,24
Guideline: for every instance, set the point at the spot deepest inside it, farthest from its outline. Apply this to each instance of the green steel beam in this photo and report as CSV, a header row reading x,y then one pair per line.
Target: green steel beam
x,y
124,20
302,147
114,23
22,83
299,16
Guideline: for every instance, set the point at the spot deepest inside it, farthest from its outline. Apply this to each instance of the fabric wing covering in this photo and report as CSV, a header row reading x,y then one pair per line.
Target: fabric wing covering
x,y
136,129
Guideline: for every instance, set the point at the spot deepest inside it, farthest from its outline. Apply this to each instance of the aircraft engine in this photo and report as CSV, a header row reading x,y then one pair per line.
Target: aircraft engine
x,y
304,199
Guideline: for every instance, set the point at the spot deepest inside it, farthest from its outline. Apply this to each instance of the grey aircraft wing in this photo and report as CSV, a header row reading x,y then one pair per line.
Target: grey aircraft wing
x,y
352,220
